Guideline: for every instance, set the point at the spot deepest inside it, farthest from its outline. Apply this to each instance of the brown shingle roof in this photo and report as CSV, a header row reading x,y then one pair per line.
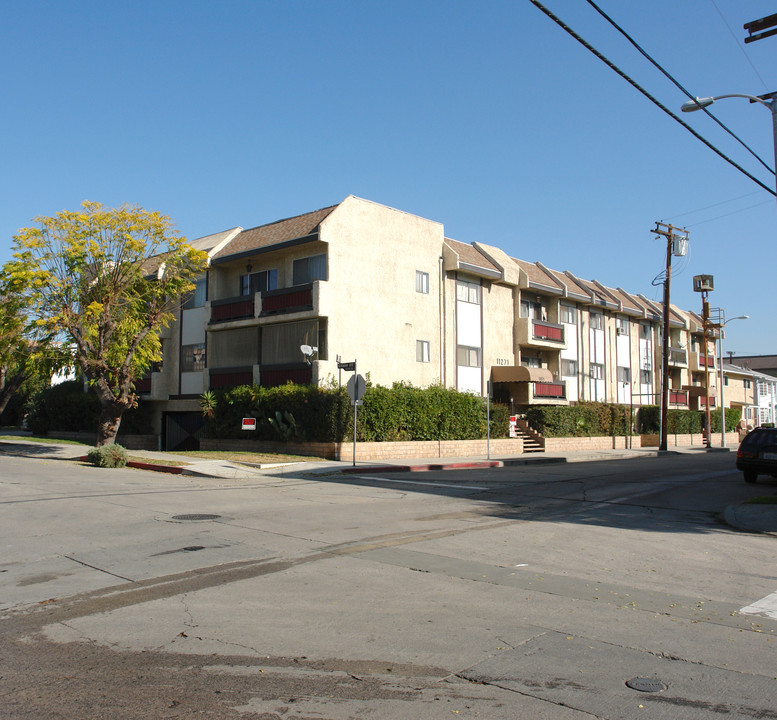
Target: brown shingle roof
x,y
276,232
538,276
470,255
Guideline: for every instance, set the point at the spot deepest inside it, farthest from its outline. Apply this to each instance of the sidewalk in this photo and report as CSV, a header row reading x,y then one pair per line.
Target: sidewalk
x,y
751,517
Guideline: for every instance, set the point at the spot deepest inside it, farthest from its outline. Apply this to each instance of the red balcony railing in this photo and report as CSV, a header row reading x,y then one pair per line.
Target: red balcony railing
x,y
708,360
549,390
231,378
143,386
232,309
280,376
287,300
548,331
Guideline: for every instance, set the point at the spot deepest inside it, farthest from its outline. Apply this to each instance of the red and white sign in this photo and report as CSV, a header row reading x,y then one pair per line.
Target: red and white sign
x,y
249,423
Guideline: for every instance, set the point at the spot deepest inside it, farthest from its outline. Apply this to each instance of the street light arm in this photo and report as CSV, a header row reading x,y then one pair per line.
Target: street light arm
x,y
701,103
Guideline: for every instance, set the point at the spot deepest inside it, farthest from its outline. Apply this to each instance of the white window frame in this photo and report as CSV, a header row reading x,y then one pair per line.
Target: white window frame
x,y
568,314
422,282
468,292
597,371
470,355
422,351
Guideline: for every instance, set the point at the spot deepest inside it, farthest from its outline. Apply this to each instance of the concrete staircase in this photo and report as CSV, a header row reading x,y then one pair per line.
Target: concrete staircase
x,y
533,442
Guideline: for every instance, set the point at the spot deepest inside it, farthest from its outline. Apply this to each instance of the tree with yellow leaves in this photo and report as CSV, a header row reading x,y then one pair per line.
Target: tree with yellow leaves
x,y
107,281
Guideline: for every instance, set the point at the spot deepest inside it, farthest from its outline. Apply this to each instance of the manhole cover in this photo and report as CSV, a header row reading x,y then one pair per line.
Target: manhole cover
x,y
650,685
196,517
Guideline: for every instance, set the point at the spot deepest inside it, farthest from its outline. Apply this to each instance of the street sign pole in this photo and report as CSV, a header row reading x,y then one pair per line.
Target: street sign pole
x,y
355,410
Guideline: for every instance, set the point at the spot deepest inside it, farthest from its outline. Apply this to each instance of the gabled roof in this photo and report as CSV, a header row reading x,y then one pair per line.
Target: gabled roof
x,y
570,288
468,259
275,233
538,278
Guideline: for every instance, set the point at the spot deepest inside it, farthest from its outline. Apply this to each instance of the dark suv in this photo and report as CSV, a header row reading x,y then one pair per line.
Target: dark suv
x,y
757,454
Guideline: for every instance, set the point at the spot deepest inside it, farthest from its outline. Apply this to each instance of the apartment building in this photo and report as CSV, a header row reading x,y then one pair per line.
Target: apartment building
x,y
362,281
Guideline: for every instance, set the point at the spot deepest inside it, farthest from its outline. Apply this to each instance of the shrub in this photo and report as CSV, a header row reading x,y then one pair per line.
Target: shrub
x,y
63,407
585,419
311,413
108,456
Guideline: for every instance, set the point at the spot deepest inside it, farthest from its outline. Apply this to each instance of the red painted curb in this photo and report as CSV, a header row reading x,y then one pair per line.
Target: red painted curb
x,y
144,466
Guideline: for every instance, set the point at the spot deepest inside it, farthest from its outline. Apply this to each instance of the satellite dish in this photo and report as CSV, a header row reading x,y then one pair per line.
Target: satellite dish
x,y
308,351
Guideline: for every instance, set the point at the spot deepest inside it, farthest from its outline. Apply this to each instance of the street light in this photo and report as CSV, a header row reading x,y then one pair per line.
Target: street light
x,y
722,322
771,103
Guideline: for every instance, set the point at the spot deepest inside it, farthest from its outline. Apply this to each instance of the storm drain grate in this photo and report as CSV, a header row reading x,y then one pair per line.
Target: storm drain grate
x,y
196,516
649,685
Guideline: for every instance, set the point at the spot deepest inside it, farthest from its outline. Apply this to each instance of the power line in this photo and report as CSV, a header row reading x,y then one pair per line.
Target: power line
x,y
656,102
676,83
733,212
674,216
739,45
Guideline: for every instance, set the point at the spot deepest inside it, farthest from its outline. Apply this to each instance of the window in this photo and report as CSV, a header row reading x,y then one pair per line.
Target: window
x,y
597,371
747,384
644,331
534,310
198,296
422,351
597,321
306,270
622,326
259,282
644,377
422,282
568,315
193,357
530,362
569,368
624,375
468,356
468,292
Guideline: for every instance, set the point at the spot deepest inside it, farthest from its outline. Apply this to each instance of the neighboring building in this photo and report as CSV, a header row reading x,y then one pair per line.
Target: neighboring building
x,y
362,281
766,364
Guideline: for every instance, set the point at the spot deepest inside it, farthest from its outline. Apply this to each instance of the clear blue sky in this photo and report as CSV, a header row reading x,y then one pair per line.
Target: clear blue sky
x,y
485,116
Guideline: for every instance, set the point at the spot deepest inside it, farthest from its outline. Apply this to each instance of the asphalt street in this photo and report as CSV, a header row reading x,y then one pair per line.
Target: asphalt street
x,y
533,591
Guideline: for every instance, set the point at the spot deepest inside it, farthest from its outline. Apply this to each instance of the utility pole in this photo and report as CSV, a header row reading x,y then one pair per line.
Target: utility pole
x,y
704,284
676,244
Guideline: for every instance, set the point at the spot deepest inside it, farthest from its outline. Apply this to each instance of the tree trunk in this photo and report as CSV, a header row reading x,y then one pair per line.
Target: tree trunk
x,y
8,388
109,422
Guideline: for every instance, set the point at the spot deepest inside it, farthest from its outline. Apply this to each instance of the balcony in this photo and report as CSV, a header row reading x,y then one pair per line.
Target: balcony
x,y
678,357
700,362
239,308
231,377
678,397
540,333
280,375
551,390
287,300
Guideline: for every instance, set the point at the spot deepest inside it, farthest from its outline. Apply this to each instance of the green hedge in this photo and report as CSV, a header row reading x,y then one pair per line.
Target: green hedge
x,y
318,414
585,419
315,414
683,422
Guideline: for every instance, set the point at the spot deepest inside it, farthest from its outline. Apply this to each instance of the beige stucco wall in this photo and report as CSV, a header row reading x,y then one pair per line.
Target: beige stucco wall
x,y
376,314
498,338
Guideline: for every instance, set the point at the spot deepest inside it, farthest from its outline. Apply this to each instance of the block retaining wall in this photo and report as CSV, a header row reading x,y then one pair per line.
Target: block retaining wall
x,y
373,450
592,443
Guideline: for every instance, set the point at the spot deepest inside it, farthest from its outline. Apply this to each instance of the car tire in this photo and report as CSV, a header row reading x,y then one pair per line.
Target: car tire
x,y
750,476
